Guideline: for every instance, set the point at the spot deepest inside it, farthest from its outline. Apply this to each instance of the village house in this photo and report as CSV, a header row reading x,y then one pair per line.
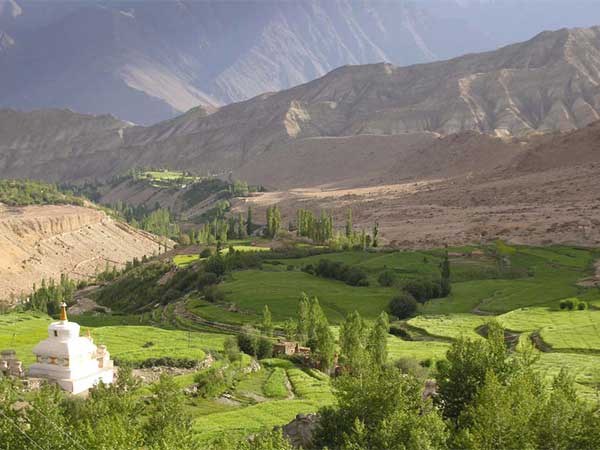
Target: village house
x,y
290,348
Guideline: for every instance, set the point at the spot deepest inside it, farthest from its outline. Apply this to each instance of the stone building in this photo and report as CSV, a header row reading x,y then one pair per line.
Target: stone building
x,y
289,348
10,365
72,361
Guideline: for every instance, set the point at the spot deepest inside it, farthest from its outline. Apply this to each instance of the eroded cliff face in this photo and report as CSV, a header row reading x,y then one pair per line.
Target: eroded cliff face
x,y
39,242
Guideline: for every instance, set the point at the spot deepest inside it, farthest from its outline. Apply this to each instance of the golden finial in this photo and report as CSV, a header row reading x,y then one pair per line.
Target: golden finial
x,y
63,312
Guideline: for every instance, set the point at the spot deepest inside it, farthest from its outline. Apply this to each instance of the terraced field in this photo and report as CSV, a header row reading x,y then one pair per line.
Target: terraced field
x,y
524,297
22,331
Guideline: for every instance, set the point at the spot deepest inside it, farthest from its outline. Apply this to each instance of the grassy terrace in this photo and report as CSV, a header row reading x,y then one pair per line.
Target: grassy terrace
x,y
524,299
131,343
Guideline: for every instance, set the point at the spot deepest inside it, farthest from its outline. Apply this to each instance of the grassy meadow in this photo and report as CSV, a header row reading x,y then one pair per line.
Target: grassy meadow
x,y
523,296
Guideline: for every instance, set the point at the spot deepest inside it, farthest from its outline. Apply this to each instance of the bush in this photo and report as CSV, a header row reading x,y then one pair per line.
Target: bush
x,y
213,382
422,289
354,276
572,303
411,366
403,305
206,253
213,294
386,278
264,348
216,265
309,268
290,268
167,361
231,349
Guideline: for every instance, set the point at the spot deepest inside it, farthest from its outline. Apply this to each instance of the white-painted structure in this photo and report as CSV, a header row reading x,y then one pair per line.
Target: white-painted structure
x,y
72,361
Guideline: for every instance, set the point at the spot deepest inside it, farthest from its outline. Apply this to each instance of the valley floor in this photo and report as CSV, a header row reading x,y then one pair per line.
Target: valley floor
x,y
524,298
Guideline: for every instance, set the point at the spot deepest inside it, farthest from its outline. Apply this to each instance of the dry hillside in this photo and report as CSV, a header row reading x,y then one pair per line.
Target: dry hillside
x,y
549,83
44,241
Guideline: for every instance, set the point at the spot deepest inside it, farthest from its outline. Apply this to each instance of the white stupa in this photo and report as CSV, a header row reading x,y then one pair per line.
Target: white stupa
x,y
73,362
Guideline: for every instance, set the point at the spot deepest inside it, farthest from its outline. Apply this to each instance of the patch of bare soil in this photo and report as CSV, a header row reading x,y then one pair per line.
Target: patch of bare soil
x,y
593,280
39,242
84,304
550,207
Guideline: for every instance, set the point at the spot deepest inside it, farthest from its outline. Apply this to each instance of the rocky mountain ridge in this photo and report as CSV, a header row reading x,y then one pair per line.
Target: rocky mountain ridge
x,y
150,61
550,83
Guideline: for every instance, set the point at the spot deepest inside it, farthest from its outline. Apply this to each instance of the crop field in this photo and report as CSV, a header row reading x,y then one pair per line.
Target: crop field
x,y
310,393
274,386
524,297
22,331
253,289
449,326
186,260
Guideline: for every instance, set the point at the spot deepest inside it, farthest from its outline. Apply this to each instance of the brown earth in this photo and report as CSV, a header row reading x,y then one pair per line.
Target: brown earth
x,y
468,188
44,241
549,83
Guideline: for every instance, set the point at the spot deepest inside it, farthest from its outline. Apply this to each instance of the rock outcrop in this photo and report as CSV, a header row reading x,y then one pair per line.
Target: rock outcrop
x,y
301,430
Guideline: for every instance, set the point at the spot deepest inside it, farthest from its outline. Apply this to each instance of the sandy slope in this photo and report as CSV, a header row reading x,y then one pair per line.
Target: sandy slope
x,y
44,241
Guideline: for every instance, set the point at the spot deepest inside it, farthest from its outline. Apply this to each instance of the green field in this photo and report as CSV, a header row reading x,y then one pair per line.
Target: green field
x,y
251,290
186,260
22,331
524,298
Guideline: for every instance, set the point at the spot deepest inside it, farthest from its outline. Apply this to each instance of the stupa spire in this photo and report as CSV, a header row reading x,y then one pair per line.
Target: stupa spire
x,y
63,312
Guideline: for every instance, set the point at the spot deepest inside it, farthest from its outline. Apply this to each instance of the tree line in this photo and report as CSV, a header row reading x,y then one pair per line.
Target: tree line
x,y
49,295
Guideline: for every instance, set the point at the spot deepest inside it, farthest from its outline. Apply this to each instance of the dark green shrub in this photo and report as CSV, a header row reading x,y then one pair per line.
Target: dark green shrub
x,y
216,265
386,278
206,253
403,305
213,294
264,349
422,289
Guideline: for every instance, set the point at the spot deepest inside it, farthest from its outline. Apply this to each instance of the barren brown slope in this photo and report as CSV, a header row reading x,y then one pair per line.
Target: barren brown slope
x,y
44,241
549,83
476,188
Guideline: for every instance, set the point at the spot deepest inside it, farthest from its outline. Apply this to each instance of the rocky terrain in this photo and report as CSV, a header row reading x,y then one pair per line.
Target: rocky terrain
x,y
550,83
44,241
149,61
470,188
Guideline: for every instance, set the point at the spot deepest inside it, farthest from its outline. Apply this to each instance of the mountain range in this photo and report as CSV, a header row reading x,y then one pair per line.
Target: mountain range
x,y
149,61
549,83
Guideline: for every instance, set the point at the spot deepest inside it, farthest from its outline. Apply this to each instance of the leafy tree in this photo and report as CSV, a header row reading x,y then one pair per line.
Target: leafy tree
x,y
290,328
376,234
349,227
377,342
247,340
264,348
445,286
354,355
381,409
249,224
267,322
169,426
464,371
403,305
303,318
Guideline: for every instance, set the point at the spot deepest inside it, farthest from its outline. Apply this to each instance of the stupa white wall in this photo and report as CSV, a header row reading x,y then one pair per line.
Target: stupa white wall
x,y
72,361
